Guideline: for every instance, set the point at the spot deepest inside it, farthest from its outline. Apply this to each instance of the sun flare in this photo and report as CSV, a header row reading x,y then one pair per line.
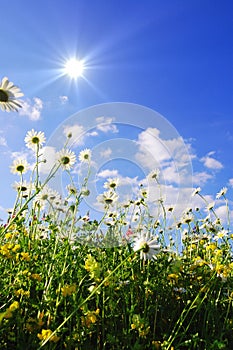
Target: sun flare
x,y
74,68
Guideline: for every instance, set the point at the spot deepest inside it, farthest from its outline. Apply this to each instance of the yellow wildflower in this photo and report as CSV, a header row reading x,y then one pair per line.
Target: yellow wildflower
x,y
173,277
92,266
68,290
25,256
90,318
15,248
36,276
14,306
46,334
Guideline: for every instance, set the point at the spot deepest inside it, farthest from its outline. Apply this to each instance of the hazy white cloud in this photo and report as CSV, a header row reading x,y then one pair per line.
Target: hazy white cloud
x,y
107,173
63,99
92,133
210,162
32,109
152,148
3,141
105,125
49,155
77,133
223,214
201,178
231,182
106,153
171,156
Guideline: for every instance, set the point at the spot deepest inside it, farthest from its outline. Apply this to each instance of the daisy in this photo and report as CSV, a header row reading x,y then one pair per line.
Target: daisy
x,y
210,206
72,190
8,96
147,245
107,198
153,175
221,234
47,195
196,191
19,166
111,184
221,193
34,139
85,156
66,158
23,187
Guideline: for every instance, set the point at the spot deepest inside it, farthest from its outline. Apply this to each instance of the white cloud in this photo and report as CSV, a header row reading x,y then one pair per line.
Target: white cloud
x,y
201,178
210,162
231,182
49,155
223,214
32,109
92,133
77,133
171,156
105,125
107,173
63,99
106,153
3,141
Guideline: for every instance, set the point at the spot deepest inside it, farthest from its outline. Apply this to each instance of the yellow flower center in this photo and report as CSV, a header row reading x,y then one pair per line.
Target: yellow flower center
x,y
20,168
35,140
65,160
3,96
145,247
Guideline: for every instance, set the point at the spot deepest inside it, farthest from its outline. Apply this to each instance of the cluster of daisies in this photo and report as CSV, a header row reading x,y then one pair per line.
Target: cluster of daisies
x,y
66,158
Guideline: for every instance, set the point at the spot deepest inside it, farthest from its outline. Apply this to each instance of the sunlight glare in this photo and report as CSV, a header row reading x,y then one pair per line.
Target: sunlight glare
x,y
74,68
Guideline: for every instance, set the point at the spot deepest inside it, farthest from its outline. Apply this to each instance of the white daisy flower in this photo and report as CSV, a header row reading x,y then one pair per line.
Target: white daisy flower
x,y
210,206
66,158
147,245
108,198
23,187
221,193
196,191
221,234
85,156
111,184
72,190
47,195
34,139
9,93
154,174
19,166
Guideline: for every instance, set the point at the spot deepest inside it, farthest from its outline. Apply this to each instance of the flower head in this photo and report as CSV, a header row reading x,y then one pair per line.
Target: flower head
x,y
47,195
107,198
66,158
72,190
111,184
221,193
154,174
23,187
85,156
8,96
147,245
196,191
19,166
34,139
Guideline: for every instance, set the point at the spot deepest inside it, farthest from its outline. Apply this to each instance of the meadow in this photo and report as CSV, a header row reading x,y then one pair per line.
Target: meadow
x,y
67,283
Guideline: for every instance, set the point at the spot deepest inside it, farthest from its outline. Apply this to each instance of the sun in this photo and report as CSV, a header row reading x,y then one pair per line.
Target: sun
x,y
74,68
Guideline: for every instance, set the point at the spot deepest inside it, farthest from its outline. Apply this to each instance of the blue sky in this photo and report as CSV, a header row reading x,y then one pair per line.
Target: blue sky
x,y
173,57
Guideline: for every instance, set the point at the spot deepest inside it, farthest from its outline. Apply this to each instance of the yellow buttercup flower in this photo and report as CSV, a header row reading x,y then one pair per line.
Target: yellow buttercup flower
x,y
46,334
68,290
